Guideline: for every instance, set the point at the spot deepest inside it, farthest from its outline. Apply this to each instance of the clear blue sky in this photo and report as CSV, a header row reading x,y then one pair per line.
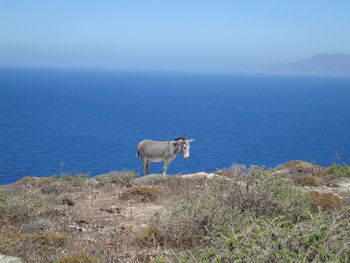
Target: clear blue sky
x,y
181,35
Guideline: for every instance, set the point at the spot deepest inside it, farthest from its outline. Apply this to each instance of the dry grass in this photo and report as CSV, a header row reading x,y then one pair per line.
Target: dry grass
x,y
33,180
172,187
234,171
149,237
78,258
325,201
307,174
297,168
307,180
37,245
140,193
120,179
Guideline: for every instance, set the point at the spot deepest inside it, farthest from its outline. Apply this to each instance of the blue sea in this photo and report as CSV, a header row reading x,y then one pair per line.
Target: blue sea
x,y
55,120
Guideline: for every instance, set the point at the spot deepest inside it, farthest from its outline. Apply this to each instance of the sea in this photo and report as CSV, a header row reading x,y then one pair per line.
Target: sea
x,y
55,121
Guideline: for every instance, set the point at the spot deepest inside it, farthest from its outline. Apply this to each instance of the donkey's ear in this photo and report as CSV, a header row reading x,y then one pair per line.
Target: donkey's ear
x,y
191,140
176,142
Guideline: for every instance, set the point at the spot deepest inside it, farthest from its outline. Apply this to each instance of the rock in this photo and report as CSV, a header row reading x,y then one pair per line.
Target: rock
x,y
211,176
195,175
82,222
78,228
111,210
143,226
92,182
9,259
201,175
39,224
67,201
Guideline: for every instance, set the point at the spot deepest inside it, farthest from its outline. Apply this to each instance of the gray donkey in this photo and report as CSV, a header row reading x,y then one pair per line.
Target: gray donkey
x,y
159,151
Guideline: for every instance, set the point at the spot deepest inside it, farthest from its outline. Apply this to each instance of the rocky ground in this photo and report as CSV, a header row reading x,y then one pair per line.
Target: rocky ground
x,y
107,218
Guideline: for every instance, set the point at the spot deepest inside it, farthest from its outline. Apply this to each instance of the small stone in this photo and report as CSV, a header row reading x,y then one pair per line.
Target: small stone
x,y
82,222
67,201
93,182
39,224
111,210
211,176
9,259
77,228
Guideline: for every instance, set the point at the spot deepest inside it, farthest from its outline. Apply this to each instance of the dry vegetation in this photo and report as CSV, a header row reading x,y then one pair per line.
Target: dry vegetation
x,y
140,193
287,214
306,180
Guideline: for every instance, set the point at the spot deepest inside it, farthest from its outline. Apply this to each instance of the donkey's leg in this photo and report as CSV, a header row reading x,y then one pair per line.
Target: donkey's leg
x,y
144,165
166,164
147,166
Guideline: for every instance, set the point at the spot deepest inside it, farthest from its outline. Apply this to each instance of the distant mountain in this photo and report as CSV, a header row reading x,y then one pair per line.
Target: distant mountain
x,y
323,64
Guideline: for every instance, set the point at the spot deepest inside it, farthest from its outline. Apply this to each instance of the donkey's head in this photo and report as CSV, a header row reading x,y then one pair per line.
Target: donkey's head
x,y
184,146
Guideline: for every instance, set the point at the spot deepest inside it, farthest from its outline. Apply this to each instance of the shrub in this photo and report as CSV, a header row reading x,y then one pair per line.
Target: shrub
x,y
33,180
339,171
124,178
172,186
234,170
78,258
265,194
306,180
325,201
18,207
39,224
192,221
150,237
277,239
67,177
27,245
75,181
140,193
83,175
2,198
297,168
53,188
200,217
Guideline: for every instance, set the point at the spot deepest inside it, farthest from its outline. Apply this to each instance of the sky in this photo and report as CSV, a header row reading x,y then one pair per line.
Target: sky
x,y
188,35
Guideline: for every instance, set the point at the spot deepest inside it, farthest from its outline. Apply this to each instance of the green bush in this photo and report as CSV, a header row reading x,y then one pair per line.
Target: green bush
x,y
265,194
18,207
278,239
2,198
149,237
196,219
191,222
339,171
261,218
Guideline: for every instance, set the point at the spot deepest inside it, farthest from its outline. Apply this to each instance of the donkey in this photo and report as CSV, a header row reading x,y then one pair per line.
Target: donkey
x,y
159,151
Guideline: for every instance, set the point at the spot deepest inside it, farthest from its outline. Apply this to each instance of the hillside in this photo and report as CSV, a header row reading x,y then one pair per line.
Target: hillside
x,y
298,212
323,64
